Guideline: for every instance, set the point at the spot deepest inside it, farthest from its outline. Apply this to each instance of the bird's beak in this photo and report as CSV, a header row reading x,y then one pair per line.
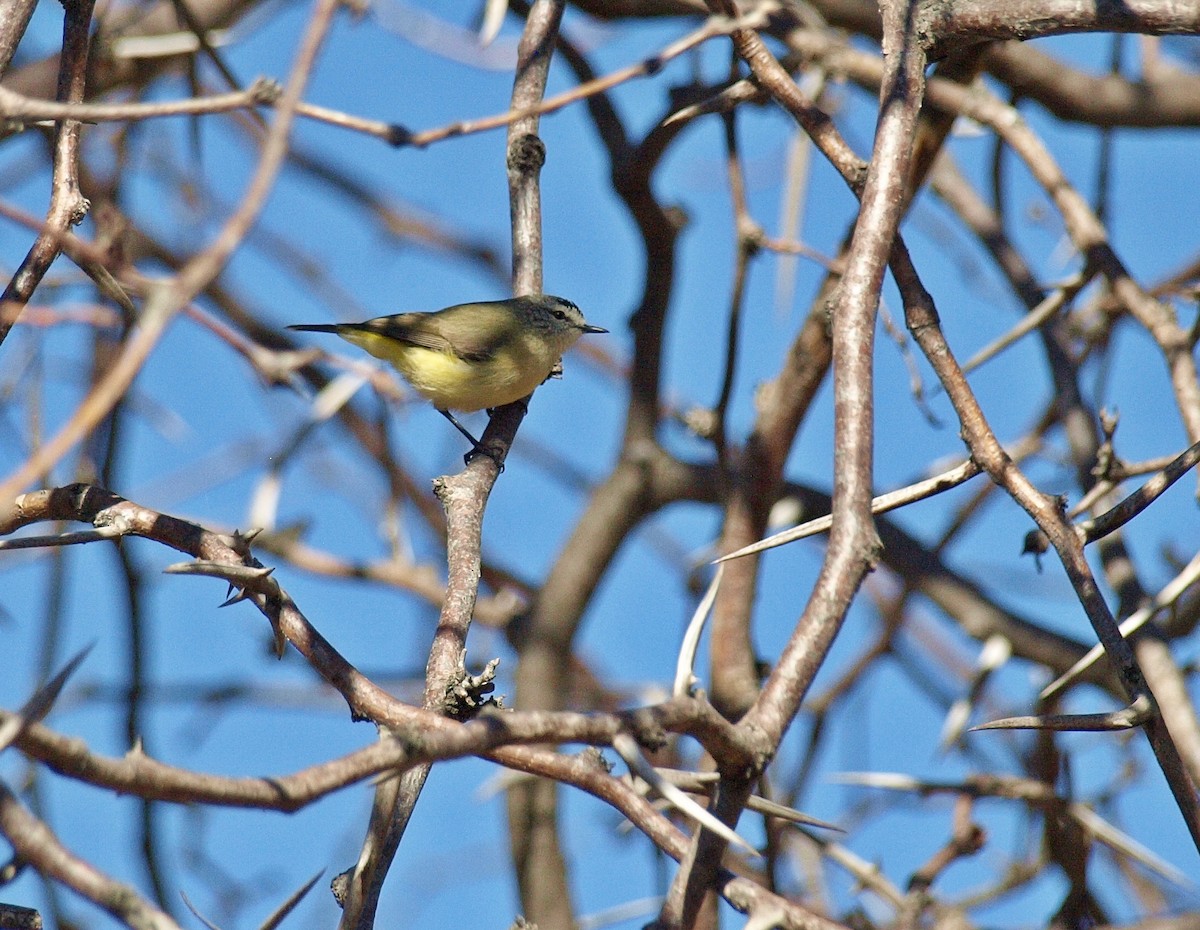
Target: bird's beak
x,y
589,328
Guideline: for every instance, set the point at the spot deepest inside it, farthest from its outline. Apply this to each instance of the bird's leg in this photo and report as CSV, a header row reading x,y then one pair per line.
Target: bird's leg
x,y
462,429
476,448
479,450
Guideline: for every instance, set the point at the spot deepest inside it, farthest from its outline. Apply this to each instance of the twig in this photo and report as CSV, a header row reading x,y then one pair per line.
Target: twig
x,y
18,108
1170,593
1137,714
685,665
37,845
951,478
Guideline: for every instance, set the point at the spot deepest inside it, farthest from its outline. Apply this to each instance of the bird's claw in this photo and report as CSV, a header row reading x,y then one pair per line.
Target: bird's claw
x,y
480,450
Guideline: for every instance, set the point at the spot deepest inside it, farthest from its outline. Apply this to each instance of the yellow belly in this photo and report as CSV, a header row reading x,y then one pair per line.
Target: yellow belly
x,y
452,383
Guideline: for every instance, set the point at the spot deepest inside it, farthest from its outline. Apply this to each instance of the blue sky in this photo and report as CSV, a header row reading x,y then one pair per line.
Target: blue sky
x,y
205,430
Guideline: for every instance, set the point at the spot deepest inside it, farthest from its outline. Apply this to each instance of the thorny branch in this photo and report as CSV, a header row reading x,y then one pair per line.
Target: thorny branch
x,y
751,720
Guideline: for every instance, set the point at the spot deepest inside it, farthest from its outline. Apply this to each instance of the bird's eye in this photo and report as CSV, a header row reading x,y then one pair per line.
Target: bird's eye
x,y
558,314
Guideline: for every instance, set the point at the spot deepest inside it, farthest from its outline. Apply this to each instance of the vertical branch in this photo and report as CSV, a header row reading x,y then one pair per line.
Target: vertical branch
x,y
68,206
533,805
734,669
103,456
734,673
463,497
783,402
853,542
14,20
525,155
631,169
735,679
747,244
396,798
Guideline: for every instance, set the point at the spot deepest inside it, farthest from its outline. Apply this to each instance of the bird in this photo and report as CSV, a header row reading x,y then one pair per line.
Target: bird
x,y
471,356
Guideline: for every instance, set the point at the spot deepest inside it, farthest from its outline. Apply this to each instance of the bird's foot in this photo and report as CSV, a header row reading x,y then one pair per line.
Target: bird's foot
x,y
492,454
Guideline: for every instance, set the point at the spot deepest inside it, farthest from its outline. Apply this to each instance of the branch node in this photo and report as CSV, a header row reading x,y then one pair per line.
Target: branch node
x,y
464,697
526,155
398,136
265,90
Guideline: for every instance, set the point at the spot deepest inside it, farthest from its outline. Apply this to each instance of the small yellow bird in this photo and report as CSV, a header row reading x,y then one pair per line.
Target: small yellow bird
x,y
471,356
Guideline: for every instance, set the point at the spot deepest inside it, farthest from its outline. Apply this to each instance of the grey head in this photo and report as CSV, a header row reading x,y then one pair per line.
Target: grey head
x,y
556,314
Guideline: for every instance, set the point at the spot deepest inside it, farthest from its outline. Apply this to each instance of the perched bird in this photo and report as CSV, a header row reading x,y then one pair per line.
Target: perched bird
x,y
471,356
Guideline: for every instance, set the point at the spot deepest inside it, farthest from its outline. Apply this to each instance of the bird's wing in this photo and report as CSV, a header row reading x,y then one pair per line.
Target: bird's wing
x,y
489,325
493,325
479,329
410,328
